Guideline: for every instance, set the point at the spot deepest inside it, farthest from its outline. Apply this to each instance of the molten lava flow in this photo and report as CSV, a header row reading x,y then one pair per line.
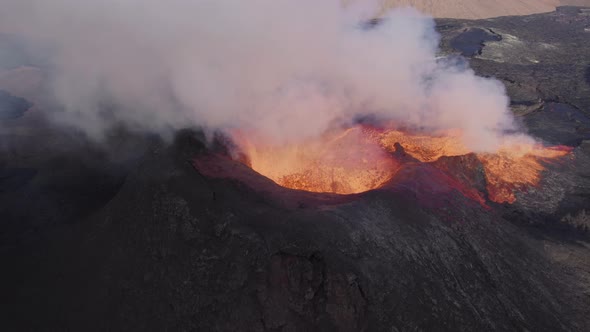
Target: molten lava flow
x,y
424,147
516,168
361,158
343,163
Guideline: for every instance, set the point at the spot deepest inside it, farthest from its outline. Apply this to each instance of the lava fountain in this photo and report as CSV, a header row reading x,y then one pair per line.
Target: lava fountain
x,y
363,158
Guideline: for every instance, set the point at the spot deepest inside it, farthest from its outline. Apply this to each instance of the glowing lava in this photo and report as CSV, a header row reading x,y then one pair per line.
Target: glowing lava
x,y
423,147
344,163
516,168
362,158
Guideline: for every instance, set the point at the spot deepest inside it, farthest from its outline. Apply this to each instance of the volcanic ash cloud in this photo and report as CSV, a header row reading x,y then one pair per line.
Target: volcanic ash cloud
x,y
284,70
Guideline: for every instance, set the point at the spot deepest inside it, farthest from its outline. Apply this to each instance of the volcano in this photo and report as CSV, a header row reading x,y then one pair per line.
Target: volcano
x,y
370,227
205,237
195,239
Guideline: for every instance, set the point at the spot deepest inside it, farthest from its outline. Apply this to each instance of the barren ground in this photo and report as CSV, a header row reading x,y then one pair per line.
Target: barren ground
x,y
477,9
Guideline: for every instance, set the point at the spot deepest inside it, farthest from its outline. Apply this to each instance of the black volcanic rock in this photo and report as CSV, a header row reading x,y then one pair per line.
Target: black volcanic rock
x,y
546,54
559,123
471,41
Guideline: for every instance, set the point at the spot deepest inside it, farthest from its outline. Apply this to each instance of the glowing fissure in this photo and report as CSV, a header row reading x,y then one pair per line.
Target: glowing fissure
x,y
362,158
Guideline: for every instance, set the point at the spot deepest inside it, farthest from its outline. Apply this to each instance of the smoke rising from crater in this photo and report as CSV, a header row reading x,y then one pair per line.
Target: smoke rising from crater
x,y
287,70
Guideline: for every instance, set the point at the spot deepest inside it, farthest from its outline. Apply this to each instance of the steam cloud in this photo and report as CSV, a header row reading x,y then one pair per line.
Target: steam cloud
x,y
285,69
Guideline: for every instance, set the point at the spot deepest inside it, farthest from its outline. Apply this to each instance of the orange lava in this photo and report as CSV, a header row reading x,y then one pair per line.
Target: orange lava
x,y
345,163
360,159
516,168
424,147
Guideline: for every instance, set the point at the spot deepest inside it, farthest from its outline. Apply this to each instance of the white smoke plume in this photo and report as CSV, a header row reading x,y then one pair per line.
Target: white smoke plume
x,y
285,69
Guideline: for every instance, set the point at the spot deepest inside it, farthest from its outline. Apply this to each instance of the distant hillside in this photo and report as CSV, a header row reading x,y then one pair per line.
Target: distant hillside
x,y
476,9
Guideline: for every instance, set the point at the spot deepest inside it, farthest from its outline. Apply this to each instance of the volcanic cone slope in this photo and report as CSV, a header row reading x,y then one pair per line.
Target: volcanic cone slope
x,y
178,250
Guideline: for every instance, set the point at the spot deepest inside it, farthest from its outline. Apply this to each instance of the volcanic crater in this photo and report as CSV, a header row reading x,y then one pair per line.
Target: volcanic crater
x,y
362,158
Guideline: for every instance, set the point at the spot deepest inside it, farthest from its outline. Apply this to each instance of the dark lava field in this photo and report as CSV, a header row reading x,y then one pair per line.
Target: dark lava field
x,y
135,234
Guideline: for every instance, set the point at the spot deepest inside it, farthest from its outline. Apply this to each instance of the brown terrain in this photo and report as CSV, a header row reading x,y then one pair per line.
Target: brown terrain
x,y
478,9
